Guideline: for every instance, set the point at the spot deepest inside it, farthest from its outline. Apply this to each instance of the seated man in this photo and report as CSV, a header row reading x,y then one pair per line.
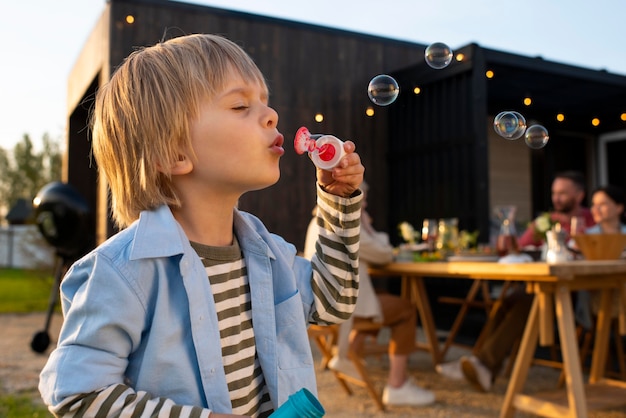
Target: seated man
x,y
481,368
388,310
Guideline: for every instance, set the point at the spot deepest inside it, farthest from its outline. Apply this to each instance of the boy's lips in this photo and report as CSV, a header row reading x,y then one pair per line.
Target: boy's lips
x,y
277,146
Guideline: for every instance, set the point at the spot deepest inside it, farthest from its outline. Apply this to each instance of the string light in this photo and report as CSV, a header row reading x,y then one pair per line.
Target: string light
x,y
319,117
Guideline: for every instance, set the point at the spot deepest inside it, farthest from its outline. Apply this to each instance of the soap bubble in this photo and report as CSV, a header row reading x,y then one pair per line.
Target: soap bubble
x,y
438,55
536,136
509,124
383,90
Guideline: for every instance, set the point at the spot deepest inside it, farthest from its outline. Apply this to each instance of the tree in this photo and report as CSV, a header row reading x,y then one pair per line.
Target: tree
x,y
27,170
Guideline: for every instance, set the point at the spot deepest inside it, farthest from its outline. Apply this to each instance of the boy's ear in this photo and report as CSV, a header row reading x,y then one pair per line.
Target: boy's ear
x,y
179,167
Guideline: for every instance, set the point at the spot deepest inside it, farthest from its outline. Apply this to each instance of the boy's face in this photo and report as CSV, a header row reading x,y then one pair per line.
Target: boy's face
x,y
236,140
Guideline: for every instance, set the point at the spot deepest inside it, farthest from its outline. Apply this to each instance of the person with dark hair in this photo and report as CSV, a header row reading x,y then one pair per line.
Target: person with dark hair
x,y
507,326
607,208
568,193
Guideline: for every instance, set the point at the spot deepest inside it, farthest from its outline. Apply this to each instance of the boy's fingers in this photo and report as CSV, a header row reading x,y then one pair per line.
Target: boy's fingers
x,y
349,146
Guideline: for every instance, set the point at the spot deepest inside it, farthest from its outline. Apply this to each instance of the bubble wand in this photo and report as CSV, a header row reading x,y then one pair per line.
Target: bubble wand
x,y
325,150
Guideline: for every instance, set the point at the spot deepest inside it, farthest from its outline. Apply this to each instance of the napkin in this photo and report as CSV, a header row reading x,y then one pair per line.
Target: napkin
x,y
515,258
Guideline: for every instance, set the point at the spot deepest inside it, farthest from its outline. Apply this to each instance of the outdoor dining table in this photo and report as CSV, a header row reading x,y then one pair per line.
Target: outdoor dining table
x,y
552,285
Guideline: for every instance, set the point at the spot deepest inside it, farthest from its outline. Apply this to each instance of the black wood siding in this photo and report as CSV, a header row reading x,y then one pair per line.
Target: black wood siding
x,y
309,69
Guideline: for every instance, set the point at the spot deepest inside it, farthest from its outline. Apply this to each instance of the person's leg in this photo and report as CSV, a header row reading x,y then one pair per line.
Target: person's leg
x,y
401,317
343,338
341,361
500,342
481,368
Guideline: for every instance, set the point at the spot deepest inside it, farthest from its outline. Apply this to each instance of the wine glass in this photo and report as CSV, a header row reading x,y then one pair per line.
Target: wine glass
x,y
429,233
507,239
577,225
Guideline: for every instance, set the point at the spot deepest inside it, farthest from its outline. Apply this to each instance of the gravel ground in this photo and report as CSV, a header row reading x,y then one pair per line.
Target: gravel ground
x,y
19,370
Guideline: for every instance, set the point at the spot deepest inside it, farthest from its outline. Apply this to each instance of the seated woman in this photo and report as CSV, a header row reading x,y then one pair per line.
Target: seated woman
x,y
607,210
386,309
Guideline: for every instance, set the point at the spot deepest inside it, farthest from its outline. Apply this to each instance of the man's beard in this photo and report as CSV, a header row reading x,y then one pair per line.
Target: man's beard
x,y
566,207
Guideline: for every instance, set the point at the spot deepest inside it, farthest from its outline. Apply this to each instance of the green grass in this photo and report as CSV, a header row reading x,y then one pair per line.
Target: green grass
x,y
21,406
23,291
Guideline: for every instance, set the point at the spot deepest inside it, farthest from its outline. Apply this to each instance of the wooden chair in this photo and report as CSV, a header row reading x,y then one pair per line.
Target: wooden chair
x,y
325,337
487,303
585,336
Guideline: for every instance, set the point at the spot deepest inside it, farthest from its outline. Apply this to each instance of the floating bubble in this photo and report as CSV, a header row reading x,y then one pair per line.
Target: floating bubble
x,y
383,90
536,136
438,55
509,124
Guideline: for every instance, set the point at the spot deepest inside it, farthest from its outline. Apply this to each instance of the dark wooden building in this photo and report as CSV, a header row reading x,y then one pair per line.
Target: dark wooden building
x,y
449,157
432,154
310,70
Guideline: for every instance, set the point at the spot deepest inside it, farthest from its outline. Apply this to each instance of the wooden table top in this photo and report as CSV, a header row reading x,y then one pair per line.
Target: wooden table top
x,y
536,271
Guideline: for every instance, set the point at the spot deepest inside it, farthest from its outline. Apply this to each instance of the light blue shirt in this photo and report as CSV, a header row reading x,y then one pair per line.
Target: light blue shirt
x,y
582,309
597,230
139,310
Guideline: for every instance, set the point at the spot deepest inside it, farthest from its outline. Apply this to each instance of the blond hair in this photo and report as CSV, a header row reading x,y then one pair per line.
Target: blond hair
x,y
141,116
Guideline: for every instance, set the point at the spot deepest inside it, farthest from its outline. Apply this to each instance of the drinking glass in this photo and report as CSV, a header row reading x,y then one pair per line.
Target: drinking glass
x,y
578,225
448,236
507,240
429,233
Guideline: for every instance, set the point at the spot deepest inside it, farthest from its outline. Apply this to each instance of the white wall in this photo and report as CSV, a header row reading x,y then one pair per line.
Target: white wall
x,y
23,246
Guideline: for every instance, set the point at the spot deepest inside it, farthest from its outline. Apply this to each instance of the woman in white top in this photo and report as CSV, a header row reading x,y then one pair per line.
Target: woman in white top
x,y
389,310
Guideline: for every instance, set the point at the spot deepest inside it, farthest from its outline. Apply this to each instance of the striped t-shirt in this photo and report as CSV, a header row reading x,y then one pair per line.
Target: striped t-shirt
x,y
226,270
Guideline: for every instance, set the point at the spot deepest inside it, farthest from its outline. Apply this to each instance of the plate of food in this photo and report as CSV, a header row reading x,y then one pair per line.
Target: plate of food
x,y
474,257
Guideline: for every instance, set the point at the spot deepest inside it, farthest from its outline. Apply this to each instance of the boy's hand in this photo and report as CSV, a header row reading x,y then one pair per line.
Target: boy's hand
x,y
346,178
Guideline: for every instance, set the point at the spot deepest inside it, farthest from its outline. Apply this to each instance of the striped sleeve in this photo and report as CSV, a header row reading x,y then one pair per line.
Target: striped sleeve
x,y
121,401
335,263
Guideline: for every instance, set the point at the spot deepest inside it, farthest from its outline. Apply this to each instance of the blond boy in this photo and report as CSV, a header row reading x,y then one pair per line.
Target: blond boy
x,y
194,309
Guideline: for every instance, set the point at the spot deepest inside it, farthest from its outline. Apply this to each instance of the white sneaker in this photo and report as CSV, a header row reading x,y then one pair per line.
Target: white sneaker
x,y
407,394
450,370
343,365
476,373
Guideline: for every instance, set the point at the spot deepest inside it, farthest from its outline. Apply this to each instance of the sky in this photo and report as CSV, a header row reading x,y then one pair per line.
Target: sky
x,y
43,38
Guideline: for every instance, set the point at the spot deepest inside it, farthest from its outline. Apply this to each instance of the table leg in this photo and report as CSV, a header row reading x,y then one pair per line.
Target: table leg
x,y
460,316
488,327
622,309
576,398
420,298
522,361
546,319
405,287
603,331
